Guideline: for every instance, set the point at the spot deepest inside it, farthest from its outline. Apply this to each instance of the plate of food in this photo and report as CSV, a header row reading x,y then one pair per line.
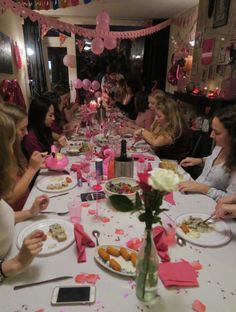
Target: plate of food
x,y
122,186
117,259
56,184
60,235
139,147
103,140
209,234
78,147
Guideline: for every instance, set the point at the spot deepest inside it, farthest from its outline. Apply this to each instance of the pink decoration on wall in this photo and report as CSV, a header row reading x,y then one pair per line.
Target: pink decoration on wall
x,y
69,60
110,43
103,18
97,46
17,55
77,83
98,94
95,85
207,51
86,84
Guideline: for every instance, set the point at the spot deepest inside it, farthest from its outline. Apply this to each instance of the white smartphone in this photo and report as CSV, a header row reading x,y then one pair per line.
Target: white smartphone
x,y
73,295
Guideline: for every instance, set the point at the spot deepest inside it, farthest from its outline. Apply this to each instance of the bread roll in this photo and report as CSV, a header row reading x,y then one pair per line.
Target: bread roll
x,y
114,265
113,251
133,258
103,254
124,253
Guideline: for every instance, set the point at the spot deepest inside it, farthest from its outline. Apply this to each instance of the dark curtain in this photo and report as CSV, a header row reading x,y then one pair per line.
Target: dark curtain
x,y
35,62
155,58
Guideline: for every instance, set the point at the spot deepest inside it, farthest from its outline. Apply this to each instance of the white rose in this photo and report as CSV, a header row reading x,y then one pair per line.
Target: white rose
x,y
163,180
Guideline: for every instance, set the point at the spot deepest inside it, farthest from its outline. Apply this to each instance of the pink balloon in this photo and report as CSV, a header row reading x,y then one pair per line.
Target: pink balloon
x,y
95,85
98,94
97,46
86,84
103,17
110,43
69,60
103,27
77,83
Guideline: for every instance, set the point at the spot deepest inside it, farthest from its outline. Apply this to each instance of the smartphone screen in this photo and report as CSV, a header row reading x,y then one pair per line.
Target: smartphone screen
x,y
92,196
73,294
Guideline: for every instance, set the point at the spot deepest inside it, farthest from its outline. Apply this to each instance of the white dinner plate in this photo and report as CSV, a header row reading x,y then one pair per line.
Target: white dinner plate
x,y
127,268
140,147
51,245
220,235
43,184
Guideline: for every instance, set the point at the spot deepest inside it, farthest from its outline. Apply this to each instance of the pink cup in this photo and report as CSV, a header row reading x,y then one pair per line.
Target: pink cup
x,y
74,208
170,229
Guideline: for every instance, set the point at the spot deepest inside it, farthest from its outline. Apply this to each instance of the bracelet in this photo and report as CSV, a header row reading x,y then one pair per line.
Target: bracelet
x,y
2,275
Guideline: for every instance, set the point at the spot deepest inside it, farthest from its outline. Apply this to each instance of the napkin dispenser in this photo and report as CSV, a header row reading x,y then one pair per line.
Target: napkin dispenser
x,y
56,161
124,168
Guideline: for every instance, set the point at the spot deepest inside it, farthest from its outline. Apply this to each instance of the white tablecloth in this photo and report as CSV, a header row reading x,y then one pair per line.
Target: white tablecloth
x,y
114,293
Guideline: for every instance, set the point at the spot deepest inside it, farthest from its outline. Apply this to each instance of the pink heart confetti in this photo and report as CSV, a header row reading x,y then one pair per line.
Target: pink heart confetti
x,y
86,204
92,212
105,219
170,199
196,265
86,278
134,243
119,231
198,306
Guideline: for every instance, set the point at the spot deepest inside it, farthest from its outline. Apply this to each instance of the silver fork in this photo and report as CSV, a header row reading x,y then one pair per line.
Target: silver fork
x,y
55,213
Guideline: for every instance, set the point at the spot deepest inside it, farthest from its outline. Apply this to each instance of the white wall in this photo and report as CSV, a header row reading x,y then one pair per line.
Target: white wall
x,y
11,25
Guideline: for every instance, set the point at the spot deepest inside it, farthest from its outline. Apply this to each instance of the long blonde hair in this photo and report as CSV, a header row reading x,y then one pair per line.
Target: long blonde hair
x,y
175,119
7,134
18,115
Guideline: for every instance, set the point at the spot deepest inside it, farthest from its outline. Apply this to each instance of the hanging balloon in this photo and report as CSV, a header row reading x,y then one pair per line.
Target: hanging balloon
x,y
97,46
86,84
110,43
103,27
69,60
103,18
98,94
95,85
77,83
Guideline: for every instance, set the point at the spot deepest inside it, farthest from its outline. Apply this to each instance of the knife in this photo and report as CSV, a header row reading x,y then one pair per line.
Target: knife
x,y
58,195
56,279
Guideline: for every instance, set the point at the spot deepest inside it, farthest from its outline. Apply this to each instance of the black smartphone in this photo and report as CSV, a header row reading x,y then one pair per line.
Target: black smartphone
x,y
92,196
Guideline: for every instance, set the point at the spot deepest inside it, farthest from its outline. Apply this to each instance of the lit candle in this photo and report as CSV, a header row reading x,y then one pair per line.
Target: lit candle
x,y
93,105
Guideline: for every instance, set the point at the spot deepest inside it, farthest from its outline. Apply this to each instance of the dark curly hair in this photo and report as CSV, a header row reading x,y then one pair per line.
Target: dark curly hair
x,y
227,116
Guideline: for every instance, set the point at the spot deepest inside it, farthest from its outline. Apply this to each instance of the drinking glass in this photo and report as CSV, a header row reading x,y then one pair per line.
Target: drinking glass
x,y
74,208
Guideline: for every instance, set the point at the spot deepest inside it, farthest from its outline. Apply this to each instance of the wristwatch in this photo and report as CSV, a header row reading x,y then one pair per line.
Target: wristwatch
x,y
2,275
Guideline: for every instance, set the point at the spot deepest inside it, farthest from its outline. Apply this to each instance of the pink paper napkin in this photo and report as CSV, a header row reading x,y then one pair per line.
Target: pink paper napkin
x,y
160,242
178,274
169,198
140,155
82,241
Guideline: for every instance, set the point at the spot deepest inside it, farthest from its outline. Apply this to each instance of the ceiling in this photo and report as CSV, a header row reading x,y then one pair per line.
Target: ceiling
x,y
130,12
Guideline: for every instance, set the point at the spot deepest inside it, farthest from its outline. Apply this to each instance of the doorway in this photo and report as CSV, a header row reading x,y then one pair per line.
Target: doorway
x,y
58,72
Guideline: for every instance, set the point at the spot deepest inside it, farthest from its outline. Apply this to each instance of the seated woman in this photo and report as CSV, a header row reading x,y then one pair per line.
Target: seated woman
x,y
169,135
218,177
144,117
32,244
39,137
25,172
127,90
226,207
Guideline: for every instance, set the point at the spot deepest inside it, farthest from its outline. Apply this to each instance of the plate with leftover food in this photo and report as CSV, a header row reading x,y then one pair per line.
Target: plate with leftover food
x,y
117,259
210,234
80,147
60,235
56,184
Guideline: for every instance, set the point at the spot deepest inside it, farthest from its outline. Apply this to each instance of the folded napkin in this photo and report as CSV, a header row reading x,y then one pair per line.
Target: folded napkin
x,y
178,274
160,241
140,155
82,240
170,198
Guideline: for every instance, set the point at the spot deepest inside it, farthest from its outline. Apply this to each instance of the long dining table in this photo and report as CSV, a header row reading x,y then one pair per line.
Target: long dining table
x,y
116,293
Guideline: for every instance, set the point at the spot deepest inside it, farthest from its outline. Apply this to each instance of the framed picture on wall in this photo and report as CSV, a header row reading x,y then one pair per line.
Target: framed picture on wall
x,y
221,13
5,55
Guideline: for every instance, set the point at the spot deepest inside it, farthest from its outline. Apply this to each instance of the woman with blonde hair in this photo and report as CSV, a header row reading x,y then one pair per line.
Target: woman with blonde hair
x,y
32,244
25,172
169,134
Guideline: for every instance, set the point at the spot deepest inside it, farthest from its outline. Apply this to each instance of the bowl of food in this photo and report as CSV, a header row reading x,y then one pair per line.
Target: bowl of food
x,y
104,140
122,186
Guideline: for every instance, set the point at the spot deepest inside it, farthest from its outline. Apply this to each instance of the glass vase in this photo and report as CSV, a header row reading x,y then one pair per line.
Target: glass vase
x,y
147,270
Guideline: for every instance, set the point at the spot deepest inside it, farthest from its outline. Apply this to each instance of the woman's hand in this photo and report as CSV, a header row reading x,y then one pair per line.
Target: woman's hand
x,y
225,211
31,247
193,187
40,204
62,141
36,161
190,161
138,133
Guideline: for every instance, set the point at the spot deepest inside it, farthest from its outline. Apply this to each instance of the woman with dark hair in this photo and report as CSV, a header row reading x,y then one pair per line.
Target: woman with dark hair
x,y
41,117
218,177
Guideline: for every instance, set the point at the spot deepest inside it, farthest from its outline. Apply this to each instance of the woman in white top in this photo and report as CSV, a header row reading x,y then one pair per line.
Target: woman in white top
x,y
218,177
32,244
